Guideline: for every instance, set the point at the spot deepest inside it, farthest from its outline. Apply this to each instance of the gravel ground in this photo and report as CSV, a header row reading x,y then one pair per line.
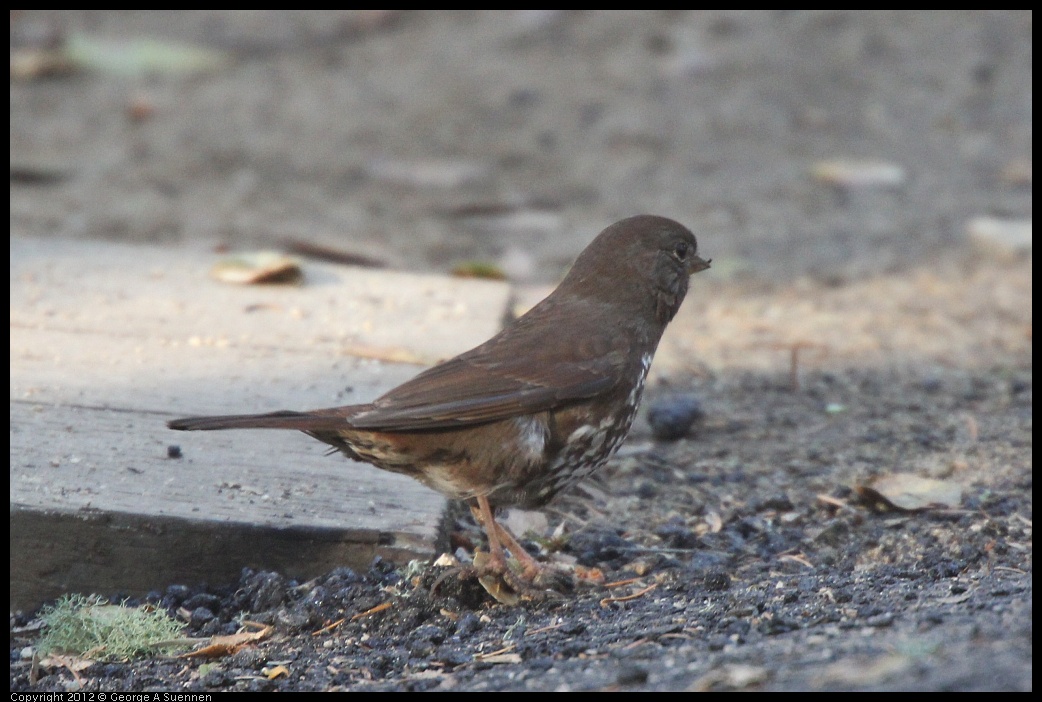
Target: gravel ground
x,y
743,575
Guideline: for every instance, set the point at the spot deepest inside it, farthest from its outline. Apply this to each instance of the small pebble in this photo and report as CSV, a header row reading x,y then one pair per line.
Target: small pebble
x,y
200,616
671,417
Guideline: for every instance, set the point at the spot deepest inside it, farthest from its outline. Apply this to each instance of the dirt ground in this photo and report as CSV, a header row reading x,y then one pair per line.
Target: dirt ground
x,y
845,171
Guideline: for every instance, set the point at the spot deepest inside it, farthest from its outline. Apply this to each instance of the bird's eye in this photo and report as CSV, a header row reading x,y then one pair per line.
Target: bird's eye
x,y
680,250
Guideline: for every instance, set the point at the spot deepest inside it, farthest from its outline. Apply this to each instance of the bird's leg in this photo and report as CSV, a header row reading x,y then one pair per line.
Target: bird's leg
x,y
499,537
530,567
534,577
493,571
482,512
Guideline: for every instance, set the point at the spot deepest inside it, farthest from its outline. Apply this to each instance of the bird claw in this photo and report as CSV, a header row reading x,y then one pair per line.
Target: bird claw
x,y
510,585
506,584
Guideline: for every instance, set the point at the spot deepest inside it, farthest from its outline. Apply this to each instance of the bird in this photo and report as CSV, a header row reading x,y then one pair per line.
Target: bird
x,y
533,410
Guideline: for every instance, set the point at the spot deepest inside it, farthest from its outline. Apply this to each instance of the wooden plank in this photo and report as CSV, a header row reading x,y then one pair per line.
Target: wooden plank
x,y
111,289
110,341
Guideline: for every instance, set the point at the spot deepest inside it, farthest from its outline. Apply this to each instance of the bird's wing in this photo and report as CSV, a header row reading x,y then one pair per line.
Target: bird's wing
x,y
515,373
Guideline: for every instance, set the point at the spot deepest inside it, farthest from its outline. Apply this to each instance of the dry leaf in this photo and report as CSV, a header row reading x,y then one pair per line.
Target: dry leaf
x,y
905,492
227,645
853,173
136,56
279,671
258,268
478,269
72,663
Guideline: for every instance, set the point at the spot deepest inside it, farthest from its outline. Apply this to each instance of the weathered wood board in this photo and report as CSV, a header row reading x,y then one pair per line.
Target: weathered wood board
x,y
110,341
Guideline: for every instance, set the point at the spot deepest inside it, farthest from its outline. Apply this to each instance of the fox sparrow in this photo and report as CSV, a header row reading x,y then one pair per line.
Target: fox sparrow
x,y
534,409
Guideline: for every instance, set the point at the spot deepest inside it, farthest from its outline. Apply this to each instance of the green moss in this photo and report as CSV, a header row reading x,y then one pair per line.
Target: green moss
x,y
88,626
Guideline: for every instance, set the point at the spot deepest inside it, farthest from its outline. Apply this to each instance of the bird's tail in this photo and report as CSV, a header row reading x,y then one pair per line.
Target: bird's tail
x,y
301,421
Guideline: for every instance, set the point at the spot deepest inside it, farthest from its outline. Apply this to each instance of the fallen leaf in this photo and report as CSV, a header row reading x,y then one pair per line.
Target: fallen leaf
x,y
854,173
478,269
905,492
139,56
219,646
279,671
258,268
72,663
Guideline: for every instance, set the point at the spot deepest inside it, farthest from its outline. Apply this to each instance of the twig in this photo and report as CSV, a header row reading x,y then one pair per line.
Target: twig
x,y
640,593
372,610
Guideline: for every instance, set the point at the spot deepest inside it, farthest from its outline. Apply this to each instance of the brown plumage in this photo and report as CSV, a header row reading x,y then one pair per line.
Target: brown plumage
x,y
538,406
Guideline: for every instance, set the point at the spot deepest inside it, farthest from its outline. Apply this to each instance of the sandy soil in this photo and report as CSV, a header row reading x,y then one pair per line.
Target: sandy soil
x,y
839,168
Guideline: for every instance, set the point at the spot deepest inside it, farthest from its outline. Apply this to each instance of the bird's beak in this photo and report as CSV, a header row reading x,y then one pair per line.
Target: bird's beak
x,y
698,264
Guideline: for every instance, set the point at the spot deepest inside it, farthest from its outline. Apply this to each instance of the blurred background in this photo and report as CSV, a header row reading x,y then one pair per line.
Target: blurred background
x,y
861,180
833,144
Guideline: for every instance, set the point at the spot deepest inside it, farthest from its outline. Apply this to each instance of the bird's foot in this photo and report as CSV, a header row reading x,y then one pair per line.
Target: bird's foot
x,y
513,580
509,580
